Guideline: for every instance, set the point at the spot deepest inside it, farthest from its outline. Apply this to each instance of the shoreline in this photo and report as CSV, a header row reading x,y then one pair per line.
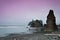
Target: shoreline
x,y
34,36
42,35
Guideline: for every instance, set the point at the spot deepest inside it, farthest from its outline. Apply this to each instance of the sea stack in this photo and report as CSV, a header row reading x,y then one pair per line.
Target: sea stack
x,y
51,22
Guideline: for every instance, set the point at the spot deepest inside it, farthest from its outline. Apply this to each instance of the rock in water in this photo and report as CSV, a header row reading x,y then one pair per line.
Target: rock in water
x,y
51,22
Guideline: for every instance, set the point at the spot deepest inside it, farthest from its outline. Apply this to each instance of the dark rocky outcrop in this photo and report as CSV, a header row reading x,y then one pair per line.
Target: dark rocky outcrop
x,y
51,21
36,23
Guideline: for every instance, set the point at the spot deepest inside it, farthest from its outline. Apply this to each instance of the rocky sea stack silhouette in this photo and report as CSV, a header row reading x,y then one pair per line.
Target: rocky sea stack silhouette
x,y
36,23
51,22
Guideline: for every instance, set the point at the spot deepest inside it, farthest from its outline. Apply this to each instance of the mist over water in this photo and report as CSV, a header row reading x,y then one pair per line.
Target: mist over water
x,y
12,29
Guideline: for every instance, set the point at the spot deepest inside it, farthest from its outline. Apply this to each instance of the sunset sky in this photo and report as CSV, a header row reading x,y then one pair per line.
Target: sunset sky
x,y
20,12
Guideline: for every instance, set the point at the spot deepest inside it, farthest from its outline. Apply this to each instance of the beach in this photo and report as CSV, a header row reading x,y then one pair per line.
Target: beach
x,y
34,36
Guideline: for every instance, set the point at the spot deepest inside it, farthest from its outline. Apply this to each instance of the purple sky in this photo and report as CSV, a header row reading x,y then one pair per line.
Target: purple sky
x,y
22,11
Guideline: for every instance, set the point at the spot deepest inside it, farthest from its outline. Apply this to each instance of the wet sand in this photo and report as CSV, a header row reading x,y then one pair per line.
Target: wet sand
x,y
34,36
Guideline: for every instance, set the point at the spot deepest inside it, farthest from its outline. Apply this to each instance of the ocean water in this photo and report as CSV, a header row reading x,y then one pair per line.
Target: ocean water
x,y
6,30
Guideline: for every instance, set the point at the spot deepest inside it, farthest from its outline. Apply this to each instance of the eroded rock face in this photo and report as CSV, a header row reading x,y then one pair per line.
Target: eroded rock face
x,y
51,22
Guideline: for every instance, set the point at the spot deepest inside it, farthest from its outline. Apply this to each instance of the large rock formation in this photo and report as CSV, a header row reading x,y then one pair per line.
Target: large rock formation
x,y
51,22
36,23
